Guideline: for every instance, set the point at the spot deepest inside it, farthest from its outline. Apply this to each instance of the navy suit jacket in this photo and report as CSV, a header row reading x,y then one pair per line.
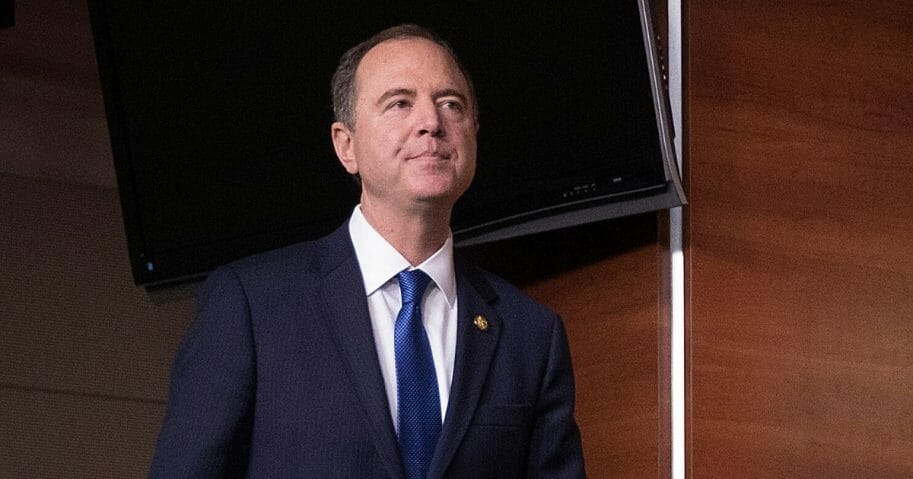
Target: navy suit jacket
x,y
278,376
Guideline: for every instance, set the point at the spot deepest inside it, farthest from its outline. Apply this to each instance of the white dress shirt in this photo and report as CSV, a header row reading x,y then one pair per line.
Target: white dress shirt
x,y
380,263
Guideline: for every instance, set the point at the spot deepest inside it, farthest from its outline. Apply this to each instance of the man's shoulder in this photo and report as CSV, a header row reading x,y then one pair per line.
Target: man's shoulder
x,y
501,293
300,260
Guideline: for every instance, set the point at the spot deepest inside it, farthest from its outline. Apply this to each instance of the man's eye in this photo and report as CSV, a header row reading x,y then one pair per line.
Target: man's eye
x,y
399,104
452,105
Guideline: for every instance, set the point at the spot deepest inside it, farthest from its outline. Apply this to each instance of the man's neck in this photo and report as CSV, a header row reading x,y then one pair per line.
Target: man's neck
x,y
416,234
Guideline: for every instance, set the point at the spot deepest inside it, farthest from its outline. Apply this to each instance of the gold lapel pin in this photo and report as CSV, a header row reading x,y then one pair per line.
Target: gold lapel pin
x,y
481,323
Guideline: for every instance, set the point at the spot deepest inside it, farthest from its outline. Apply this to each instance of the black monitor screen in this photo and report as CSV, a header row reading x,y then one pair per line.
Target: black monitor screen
x,y
220,116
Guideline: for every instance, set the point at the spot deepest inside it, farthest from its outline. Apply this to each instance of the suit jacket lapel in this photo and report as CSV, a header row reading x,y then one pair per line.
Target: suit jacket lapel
x,y
351,330
475,349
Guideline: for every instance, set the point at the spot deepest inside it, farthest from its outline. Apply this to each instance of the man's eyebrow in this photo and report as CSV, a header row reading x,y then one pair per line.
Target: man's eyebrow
x,y
449,92
395,92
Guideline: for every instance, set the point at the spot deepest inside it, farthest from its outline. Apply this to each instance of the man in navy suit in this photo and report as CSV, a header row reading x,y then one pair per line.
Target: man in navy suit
x,y
291,368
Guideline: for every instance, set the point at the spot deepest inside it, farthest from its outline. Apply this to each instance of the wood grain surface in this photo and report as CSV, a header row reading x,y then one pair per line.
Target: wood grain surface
x,y
800,238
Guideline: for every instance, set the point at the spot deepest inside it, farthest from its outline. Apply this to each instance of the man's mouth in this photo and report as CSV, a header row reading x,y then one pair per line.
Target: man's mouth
x,y
431,155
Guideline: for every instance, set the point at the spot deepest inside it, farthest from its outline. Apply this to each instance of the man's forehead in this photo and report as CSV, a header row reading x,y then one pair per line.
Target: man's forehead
x,y
386,56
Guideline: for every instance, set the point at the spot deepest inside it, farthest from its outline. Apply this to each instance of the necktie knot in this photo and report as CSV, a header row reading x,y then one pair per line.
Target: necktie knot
x,y
412,284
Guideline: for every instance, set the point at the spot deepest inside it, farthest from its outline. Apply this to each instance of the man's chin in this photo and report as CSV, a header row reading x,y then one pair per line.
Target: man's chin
x,y
435,199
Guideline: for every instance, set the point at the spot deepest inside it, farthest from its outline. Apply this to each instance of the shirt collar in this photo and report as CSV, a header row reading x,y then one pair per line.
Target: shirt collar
x,y
379,261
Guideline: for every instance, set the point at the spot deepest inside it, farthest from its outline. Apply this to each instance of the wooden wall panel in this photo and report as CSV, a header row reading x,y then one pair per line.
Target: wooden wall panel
x,y
800,258
84,354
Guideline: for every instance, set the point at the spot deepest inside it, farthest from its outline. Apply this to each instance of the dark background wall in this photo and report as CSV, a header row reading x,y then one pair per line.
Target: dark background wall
x,y
84,355
800,258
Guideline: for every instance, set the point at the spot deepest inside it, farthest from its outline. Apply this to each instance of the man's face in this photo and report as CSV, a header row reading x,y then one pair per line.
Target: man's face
x,y
414,138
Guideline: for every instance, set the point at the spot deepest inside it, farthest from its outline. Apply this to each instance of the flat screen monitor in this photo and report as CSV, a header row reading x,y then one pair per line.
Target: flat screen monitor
x,y
219,116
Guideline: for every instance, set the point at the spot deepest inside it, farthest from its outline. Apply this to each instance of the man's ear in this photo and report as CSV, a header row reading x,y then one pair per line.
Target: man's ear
x,y
343,143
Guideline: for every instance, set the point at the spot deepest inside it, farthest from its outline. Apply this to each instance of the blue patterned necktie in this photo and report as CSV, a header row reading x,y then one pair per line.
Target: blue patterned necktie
x,y
419,408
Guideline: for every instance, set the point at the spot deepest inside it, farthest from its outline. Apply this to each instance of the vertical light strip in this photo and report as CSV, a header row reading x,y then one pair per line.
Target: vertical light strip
x,y
677,268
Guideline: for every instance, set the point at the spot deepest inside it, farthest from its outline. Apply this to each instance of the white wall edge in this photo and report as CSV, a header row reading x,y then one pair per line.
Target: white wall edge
x,y
676,256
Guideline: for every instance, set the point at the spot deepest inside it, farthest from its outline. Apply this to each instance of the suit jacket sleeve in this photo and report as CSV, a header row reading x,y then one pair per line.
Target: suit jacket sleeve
x,y
207,424
555,448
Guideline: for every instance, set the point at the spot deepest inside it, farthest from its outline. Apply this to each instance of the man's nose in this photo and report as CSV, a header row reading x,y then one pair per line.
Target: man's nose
x,y
429,120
